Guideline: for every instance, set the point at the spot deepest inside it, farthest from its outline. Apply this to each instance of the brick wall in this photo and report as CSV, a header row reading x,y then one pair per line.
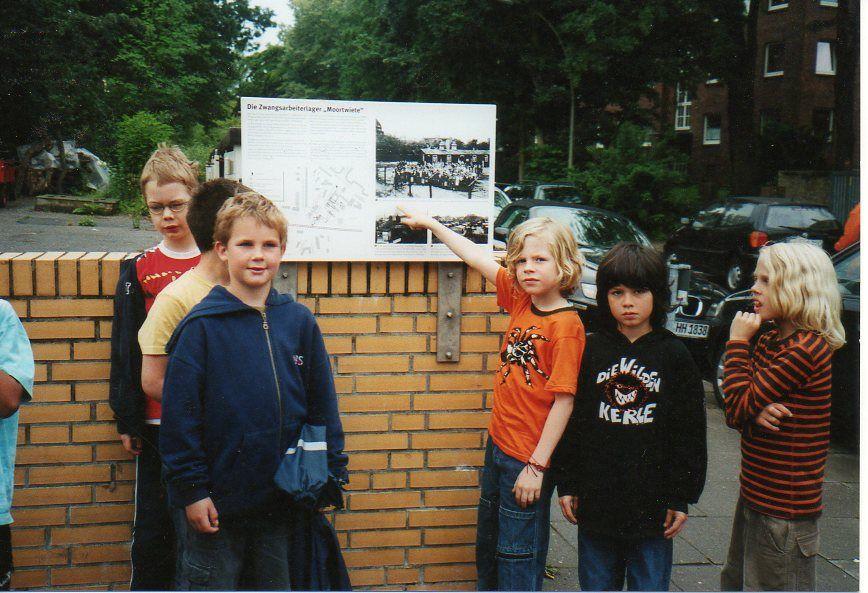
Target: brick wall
x,y
415,427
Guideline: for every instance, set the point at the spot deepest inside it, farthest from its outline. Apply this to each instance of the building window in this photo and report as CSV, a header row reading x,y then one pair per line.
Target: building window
x,y
824,122
825,57
778,4
768,116
683,101
711,133
712,81
832,3
774,59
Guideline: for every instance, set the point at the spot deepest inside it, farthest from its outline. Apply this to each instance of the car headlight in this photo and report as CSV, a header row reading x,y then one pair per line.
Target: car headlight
x,y
589,290
714,309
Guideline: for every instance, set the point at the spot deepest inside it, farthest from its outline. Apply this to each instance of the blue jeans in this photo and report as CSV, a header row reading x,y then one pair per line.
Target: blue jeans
x,y
511,542
250,551
605,561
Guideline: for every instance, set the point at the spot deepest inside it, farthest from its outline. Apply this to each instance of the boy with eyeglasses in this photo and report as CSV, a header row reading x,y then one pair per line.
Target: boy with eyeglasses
x,y
168,181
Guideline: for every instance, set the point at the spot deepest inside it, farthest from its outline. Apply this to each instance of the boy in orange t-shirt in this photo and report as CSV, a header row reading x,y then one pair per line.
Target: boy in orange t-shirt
x,y
533,393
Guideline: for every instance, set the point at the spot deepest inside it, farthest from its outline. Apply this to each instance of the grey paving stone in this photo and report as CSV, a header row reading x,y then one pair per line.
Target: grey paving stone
x,y
842,467
696,578
851,567
841,500
832,578
567,579
709,535
684,553
839,538
718,499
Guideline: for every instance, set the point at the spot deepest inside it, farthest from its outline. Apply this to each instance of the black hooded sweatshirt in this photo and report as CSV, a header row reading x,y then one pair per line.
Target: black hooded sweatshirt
x,y
635,444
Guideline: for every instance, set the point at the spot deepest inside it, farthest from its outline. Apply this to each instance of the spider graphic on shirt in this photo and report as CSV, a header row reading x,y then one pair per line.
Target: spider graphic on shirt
x,y
521,350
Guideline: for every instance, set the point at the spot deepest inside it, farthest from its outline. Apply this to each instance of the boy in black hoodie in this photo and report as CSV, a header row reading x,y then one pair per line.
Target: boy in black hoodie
x,y
634,453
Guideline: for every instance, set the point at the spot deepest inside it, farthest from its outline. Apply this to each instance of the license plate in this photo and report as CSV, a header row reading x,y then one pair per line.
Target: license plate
x,y
815,242
691,330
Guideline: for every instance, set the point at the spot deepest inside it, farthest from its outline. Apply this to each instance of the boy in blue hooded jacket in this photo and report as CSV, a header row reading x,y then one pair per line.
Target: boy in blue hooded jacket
x,y
243,368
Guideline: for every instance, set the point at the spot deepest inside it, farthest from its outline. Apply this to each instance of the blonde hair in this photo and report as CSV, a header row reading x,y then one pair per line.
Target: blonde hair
x,y
169,164
253,205
559,240
804,288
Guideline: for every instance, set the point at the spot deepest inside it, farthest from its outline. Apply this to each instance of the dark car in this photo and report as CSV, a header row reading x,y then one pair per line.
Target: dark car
x,y
845,362
723,240
596,231
536,190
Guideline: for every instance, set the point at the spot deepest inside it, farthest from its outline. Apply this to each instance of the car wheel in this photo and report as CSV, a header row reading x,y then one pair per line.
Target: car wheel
x,y
717,381
734,275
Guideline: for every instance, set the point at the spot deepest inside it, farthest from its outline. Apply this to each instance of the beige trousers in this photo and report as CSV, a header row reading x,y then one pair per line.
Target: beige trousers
x,y
770,554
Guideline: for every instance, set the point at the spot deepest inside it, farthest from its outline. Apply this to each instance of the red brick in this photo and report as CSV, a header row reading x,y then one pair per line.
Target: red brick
x,y
451,498
366,577
41,557
99,554
112,452
408,460
107,573
403,575
390,480
113,493
104,513
28,579
458,572
40,517
383,500
27,537
434,518
362,558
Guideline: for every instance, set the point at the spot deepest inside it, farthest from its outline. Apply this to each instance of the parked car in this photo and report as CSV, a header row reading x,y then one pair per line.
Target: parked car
x,y
535,190
845,362
723,239
596,231
500,200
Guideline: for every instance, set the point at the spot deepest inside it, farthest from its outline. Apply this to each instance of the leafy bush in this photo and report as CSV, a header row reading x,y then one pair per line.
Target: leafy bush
x,y
137,137
545,162
645,183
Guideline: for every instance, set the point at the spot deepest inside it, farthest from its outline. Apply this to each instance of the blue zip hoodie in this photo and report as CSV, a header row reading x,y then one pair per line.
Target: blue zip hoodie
x,y
235,398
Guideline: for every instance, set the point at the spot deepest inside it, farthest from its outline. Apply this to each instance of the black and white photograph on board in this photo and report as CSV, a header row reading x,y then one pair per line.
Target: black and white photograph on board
x,y
389,230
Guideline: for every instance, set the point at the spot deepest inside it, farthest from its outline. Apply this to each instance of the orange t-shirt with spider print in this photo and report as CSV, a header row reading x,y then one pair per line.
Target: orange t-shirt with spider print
x,y
540,357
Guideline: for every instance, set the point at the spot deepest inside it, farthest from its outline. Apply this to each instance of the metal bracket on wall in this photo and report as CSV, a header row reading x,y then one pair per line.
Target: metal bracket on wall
x,y
286,279
450,278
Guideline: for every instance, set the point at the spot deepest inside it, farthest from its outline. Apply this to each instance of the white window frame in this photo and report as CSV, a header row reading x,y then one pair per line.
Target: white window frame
x,y
711,141
778,7
766,72
683,104
832,59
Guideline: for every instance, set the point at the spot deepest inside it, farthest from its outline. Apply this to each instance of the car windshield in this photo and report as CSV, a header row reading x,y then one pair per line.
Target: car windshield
x,y
595,229
847,270
813,218
560,192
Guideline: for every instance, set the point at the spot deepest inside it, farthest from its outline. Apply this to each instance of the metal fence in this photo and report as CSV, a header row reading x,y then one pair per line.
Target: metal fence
x,y
845,193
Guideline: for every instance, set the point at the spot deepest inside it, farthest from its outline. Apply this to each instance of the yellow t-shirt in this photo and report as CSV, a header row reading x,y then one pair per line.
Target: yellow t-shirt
x,y
169,308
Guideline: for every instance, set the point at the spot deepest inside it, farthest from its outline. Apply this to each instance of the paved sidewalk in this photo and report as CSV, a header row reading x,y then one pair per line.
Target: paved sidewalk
x,y
700,549
24,229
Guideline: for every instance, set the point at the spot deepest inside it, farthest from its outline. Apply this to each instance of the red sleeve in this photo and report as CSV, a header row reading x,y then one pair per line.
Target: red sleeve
x,y
505,289
851,230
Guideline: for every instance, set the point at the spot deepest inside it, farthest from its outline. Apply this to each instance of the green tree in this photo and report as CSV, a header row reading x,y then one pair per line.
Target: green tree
x,y
137,137
645,183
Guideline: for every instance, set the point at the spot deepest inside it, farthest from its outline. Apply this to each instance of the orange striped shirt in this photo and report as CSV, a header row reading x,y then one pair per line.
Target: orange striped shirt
x,y
781,472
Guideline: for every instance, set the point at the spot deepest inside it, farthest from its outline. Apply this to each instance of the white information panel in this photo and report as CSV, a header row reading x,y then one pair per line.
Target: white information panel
x,y
338,169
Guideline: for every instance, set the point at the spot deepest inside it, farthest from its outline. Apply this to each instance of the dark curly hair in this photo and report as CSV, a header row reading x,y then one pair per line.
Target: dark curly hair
x,y
207,200
635,266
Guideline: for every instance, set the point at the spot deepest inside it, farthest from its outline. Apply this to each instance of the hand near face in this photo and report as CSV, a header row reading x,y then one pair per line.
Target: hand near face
x,y
744,326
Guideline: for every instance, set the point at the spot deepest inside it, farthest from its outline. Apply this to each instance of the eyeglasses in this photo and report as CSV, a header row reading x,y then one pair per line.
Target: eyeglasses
x,y
157,209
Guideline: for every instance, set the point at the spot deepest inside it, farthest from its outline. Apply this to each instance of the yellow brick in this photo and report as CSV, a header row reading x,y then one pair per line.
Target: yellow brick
x,y
402,460
54,413
359,558
394,323
426,324
67,273
40,372
364,501
376,442
366,577
373,364
460,382
411,304
498,324
111,267
54,330
438,479
70,474
480,343
26,497
458,420
22,273
92,350
358,278
338,344
355,305
91,391
105,329
343,384
104,513
474,324
347,325
49,434
371,403
383,520
319,278
365,423
359,481
479,304
79,371
454,535
303,278
51,392
416,277
428,362
104,412
389,481
94,432
340,278
378,278
447,401
52,454
368,461
442,555
472,280
403,575
389,383
88,273
50,351
451,498
390,343
71,308
457,572
473,457
408,421
447,440
385,539
397,280
5,276
45,267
